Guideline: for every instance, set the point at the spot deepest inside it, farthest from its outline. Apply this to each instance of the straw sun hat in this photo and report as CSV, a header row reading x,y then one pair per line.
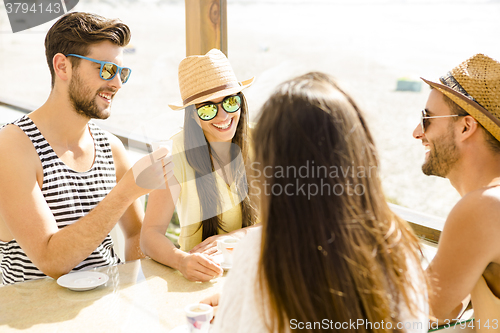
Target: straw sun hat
x,y
207,77
475,86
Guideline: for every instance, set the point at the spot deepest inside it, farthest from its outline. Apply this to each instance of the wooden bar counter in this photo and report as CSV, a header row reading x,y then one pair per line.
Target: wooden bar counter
x,y
140,296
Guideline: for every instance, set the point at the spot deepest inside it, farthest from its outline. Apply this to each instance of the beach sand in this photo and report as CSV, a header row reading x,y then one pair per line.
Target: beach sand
x,y
366,45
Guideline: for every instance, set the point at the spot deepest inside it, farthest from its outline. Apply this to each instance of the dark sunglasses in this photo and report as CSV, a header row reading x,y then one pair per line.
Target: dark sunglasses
x,y
108,69
424,122
230,104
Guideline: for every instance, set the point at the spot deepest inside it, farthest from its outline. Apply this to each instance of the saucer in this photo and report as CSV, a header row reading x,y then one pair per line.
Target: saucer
x,y
225,266
218,258
82,281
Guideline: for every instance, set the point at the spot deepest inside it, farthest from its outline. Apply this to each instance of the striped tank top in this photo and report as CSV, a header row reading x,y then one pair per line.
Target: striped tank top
x,y
70,195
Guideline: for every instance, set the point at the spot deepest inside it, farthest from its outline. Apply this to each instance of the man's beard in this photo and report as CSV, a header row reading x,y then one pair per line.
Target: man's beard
x,y
442,157
83,101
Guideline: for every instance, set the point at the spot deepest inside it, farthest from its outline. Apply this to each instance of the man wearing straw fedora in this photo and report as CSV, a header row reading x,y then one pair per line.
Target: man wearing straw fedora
x,y
460,130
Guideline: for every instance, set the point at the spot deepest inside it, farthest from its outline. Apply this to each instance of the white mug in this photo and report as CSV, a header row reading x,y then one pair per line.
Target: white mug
x,y
227,246
198,317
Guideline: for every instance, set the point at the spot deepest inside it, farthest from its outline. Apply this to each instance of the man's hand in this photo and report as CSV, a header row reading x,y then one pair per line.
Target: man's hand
x,y
199,267
151,171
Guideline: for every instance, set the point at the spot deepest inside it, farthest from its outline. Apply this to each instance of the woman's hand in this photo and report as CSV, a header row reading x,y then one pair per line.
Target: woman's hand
x,y
199,267
213,301
208,246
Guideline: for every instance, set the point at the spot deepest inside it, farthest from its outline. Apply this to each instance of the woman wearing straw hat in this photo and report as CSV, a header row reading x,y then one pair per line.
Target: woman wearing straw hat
x,y
327,262
210,155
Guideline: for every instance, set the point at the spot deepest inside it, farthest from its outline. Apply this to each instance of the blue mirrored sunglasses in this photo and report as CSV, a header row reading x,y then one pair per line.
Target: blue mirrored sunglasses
x,y
108,69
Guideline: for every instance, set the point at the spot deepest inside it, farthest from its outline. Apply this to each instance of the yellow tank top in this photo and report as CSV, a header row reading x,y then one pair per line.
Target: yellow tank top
x,y
188,205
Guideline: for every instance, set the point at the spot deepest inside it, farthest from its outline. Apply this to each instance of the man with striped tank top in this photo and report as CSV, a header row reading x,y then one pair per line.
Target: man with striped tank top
x,y
65,183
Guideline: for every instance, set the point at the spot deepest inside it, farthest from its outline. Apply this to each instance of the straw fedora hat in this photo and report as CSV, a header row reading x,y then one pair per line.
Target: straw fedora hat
x,y
475,86
207,77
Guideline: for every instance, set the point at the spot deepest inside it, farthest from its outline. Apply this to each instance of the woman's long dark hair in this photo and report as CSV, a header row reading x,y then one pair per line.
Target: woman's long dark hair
x,y
331,247
199,154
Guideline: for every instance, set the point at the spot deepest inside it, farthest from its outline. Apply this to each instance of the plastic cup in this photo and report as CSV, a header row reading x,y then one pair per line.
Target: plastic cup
x,y
198,317
162,143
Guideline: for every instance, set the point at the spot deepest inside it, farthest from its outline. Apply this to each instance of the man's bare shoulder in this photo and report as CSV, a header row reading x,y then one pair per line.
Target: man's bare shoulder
x,y
470,235
481,202
11,132
15,144
490,193
475,216
20,169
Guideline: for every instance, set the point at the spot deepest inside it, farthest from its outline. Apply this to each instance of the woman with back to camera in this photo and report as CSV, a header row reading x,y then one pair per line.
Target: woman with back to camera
x,y
330,251
210,185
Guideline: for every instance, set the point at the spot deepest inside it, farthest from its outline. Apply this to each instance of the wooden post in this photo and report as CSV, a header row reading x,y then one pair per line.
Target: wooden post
x,y
206,26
